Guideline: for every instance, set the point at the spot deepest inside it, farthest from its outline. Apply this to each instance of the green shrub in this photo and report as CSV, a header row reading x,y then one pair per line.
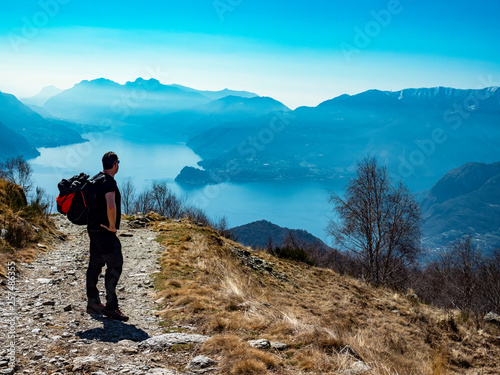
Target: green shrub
x,y
293,253
18,233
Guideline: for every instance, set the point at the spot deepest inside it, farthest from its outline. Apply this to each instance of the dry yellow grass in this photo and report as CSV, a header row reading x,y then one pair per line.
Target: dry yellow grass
x,y
238,356
315,311
18,221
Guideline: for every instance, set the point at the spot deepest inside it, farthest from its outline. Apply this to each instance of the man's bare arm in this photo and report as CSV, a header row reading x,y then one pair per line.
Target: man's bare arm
x,y
111,208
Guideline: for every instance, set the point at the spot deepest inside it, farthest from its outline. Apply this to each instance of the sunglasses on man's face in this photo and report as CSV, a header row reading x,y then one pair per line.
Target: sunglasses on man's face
x,y
118,162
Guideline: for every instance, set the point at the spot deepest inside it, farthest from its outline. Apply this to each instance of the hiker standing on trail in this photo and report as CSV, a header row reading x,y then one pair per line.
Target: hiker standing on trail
x,y
105,247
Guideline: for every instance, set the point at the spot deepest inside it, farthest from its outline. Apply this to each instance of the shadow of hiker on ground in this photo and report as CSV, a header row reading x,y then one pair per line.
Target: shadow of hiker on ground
x,y
113,331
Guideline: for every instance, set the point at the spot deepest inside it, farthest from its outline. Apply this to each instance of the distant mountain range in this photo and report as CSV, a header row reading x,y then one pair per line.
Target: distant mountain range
x,y
419,133
139,102
466,201
198,121
214,95
40,98
12,144
55,117
22,130
258,234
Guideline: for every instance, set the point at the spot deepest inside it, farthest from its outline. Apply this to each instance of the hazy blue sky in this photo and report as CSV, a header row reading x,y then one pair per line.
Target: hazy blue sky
x,y
299,52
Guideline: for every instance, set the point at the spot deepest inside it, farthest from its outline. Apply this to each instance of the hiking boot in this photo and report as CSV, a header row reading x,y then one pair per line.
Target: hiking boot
x,y
96,308
115,314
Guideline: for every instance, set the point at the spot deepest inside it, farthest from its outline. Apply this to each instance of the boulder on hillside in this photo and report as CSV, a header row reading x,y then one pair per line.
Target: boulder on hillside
x,y
168,340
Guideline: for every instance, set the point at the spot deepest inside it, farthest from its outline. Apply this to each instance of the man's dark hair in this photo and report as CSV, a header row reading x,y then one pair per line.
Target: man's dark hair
x,y
109,159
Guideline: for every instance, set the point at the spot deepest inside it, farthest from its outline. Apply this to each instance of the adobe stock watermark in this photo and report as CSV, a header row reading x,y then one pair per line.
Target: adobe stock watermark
x,y
453,117
120,109
248,148
11,321
363,37
48,9
223,6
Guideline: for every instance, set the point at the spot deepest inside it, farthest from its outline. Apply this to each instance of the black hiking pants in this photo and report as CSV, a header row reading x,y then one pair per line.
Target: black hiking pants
x,y
105,249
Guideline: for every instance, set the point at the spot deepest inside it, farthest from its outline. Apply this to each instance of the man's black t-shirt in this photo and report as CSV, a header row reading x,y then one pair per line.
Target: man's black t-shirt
x,y
102,188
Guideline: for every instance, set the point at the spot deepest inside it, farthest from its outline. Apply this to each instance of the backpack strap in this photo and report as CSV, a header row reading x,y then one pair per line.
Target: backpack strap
x,y
100,177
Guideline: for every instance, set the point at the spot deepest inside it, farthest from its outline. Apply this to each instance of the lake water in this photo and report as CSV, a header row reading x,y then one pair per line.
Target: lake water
x,y
296,205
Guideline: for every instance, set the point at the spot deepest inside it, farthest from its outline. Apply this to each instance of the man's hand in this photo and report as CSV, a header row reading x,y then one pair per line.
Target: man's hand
x,y
108,228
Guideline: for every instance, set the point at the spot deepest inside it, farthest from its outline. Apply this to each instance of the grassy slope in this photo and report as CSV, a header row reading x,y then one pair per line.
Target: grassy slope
x,y
25,227
315,311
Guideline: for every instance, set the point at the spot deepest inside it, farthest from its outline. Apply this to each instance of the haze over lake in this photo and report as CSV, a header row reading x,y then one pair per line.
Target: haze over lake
x,y
296,205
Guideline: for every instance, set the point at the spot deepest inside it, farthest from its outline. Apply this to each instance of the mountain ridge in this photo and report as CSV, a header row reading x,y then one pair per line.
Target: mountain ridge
x,y
200,119
465,201
13,144
134,102
257,234
38,131
220,93
39,99
324,142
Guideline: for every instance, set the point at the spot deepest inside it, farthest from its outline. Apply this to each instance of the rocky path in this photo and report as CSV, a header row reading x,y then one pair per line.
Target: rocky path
x,y
49,329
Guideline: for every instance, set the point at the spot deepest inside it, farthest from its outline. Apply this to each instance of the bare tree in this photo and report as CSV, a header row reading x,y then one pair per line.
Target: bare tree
x,y
379,223
269,244
222,227
166,202
41,201
127,190
489,277
195,214
461,278
291,240
465,262
18,171
144,202
432,284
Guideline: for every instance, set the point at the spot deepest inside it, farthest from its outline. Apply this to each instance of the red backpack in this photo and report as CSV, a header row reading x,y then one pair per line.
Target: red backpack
x,y
77,198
